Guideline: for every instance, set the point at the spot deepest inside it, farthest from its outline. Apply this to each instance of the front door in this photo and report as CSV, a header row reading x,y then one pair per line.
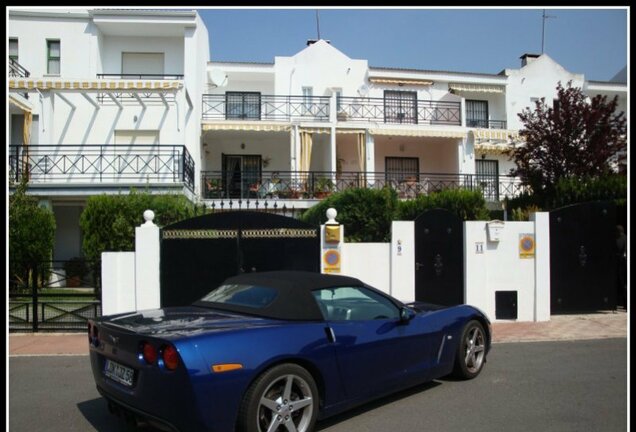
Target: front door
x,y
239,173
439,258
487,173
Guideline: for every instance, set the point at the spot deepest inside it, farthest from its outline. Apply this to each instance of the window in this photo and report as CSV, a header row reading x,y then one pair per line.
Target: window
x,y
242,105
308,93
53,57
145,65
401,169
400,107
476,113
354,303
252,296
13,49
487,175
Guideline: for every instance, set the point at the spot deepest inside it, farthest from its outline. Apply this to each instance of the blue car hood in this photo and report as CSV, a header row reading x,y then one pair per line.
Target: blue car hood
x,y
181,321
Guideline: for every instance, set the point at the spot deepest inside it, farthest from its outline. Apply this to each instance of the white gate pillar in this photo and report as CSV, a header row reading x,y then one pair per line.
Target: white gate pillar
x,y
147,253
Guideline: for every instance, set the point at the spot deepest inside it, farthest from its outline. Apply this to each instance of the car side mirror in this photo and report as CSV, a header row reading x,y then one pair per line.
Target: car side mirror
x,y
406,315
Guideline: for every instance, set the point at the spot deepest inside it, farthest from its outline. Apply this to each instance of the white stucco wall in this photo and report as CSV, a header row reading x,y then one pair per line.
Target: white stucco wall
x,y
537,79
114,46
498,268
369,262
118,282
403,260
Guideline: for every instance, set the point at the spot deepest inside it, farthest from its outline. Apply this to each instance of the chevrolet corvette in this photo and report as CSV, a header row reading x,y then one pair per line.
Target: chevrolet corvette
x,y
277,351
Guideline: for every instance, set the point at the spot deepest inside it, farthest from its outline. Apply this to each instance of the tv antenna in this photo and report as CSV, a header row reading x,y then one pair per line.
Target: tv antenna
x,y
318,24
545,17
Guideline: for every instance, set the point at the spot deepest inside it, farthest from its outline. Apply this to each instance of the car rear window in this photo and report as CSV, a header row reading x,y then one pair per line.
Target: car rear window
x,y
253,296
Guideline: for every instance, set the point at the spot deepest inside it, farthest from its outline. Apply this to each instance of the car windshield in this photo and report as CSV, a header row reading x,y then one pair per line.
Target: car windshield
x,y
253,296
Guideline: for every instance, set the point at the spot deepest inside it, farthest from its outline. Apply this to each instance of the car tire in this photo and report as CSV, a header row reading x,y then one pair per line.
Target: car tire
x,y
471,351
284,393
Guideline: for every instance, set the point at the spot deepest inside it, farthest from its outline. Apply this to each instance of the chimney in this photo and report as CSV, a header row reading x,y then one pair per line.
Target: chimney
x,y
526,59
313,41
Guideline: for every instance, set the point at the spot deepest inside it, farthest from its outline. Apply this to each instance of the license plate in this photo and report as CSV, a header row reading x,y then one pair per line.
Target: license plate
x,y
121,374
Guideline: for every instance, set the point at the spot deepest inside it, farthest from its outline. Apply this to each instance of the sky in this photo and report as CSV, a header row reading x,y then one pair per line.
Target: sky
x,y
590,41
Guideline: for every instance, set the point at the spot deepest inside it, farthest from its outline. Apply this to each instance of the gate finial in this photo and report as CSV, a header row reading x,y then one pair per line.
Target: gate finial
x,y
331,216
149,215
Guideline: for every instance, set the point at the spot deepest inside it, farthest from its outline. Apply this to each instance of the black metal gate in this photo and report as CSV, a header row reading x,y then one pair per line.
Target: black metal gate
x,y
199,253
583,258
439,258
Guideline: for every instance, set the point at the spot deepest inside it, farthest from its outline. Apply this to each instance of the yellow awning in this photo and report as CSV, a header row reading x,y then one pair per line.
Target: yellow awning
x,y
316,130
400,81
490,147
246,126
479,88
350,131
495,134
57,84
16,100
434,133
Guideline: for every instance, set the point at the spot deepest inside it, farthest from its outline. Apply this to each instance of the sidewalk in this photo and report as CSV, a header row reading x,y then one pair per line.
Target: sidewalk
x,y
560,327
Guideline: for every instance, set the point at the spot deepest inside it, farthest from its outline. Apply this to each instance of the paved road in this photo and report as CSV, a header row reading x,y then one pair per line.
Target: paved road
x,y
536,386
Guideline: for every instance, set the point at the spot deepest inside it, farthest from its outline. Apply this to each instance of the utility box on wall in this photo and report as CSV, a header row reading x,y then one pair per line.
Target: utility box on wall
x,y
495,229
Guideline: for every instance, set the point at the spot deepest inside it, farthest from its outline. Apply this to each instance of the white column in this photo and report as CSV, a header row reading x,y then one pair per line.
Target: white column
x,y
332,155
403,260
542,266
370,149
147,244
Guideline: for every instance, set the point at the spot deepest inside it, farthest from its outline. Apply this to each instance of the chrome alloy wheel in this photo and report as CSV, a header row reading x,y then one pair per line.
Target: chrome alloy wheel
x,y
286,405
475,349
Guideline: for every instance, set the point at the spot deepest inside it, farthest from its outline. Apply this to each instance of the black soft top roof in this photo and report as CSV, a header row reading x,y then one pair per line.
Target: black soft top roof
x,y
294,300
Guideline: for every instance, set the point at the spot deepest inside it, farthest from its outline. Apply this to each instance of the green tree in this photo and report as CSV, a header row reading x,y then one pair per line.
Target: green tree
x,y
576,138
31,235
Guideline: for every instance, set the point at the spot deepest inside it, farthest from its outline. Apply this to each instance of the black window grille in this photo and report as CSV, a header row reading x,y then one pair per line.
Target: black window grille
x,y
400,169
243,105
487,176
477,113
400,107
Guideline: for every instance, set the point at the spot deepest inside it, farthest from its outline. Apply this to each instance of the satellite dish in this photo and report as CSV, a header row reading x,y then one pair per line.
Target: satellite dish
x,y
217,78
363,90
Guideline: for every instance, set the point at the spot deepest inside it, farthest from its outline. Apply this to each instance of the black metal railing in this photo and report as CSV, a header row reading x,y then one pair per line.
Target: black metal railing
x,y
101,164
17,70
48,296
425,112
316,185
140,76
486,124
266,107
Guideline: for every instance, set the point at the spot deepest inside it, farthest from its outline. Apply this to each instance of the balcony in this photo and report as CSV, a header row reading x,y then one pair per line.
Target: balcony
x,y
486,124
289,185
79,165
16,70
256,107
140,76
385,110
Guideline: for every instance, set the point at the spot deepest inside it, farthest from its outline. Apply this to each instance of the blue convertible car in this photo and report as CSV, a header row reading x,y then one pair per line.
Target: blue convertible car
x,y
276,351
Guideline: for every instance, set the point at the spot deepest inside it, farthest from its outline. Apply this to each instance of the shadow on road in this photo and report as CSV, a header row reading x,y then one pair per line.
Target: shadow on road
x,y
362,409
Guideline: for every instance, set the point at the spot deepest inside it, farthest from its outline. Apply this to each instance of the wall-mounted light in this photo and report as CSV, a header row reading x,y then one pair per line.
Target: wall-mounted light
x,y
483,156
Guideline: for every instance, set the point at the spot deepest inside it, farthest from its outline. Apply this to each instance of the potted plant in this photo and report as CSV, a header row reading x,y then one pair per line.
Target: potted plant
x,y
75,270
323,187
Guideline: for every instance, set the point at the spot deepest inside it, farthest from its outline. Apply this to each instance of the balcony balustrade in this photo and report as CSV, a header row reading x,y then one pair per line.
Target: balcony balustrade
x,y
316,184
101,164
254,106
16,70
385,110
140,76
486,124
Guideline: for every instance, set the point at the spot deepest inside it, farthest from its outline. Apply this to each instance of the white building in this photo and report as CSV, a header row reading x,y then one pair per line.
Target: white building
x,y
122,98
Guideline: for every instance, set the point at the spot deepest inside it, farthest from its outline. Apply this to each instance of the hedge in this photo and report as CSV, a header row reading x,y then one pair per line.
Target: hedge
x,y
467,204
108,222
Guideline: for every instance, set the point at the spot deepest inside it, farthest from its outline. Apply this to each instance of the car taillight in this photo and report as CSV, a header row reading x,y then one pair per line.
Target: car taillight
x,y
170,357
149,353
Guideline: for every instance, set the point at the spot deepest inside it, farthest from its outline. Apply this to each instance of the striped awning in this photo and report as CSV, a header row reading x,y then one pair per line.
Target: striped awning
x,y
400,81
245,126
490,147
315,130
57,84
20,103
433,133
495,134
479,88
